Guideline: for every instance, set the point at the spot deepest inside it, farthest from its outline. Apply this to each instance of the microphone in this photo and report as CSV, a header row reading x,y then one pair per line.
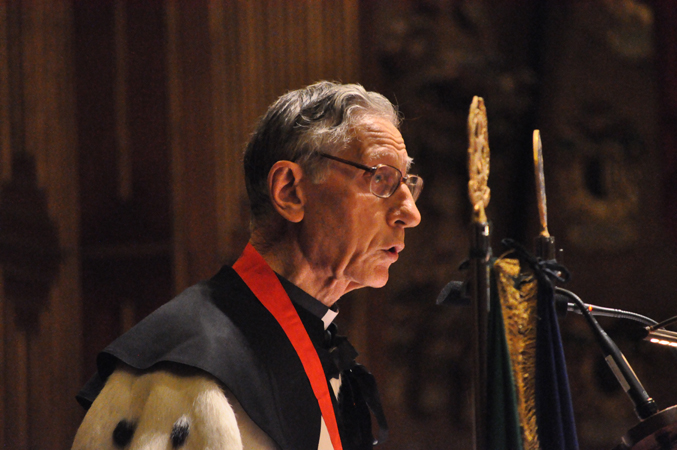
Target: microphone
x,y
563,305
455,293
645,406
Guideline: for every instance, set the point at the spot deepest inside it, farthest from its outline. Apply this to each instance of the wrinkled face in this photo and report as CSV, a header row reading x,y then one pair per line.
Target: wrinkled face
x,y
349,233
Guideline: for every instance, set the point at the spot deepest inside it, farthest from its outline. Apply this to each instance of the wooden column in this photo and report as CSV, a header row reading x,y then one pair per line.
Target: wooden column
x,y
39,217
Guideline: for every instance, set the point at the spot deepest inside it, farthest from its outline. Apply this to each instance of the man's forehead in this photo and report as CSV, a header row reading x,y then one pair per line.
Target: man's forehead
x,y
377,154
379,139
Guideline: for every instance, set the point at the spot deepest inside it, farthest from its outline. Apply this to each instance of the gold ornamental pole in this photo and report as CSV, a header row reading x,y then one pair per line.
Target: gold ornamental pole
x,y
480,253
544,243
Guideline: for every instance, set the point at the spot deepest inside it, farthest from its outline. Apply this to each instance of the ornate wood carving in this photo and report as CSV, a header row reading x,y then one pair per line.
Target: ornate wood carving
x,y
29,246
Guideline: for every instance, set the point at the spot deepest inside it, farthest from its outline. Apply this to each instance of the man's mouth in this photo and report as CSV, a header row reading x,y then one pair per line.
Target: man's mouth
x,y
395,249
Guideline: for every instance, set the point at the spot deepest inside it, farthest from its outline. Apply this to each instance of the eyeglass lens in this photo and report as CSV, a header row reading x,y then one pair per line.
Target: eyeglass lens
x,y
386,180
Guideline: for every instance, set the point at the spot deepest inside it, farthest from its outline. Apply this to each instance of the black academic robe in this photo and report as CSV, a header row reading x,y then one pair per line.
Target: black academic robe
x,y
220,327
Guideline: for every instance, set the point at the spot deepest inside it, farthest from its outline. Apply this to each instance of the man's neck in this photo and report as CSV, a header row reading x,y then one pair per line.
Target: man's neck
x,y
287,259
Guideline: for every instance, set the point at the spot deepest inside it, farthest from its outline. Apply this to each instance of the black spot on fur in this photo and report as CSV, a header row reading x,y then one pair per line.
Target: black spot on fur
x,y
180,432
123,433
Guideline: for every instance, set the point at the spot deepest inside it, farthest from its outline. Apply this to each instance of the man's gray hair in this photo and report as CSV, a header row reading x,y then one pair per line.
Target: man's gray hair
x,y
301,123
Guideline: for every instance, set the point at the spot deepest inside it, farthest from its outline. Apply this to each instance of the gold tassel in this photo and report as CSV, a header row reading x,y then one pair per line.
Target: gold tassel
x,y
518,292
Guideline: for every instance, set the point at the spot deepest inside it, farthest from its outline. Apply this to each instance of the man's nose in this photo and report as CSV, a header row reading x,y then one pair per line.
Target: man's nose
x,y
406,214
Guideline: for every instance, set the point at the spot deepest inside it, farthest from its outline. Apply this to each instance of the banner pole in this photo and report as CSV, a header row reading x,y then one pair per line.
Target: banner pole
x,y
480,255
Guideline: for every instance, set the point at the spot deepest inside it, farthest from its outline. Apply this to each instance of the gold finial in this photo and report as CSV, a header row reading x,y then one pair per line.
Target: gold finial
x,y
540,184
478,159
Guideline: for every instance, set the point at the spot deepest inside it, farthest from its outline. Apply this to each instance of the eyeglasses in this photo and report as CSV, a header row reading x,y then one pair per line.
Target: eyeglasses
x,y
385,179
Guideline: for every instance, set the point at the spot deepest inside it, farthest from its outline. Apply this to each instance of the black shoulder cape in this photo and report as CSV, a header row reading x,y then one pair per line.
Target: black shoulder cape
x,y
220,327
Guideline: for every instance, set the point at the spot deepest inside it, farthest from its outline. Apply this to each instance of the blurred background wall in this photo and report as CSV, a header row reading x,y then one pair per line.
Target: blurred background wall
x,y
121,129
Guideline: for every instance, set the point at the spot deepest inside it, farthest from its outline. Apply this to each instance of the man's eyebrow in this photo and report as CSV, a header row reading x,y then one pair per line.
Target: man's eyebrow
x,y
381,153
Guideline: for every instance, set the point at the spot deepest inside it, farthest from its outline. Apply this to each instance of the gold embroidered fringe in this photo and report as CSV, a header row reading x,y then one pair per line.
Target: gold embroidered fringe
x,y
517,292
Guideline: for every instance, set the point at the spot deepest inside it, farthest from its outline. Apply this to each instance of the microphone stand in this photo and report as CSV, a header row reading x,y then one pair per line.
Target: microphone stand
x,y
645,406
657,430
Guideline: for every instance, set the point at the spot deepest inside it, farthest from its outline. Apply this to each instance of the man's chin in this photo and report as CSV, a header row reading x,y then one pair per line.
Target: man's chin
x,y
379,278
374,277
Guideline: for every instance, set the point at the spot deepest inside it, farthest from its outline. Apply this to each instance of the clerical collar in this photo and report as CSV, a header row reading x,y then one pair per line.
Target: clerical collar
x,y
308,302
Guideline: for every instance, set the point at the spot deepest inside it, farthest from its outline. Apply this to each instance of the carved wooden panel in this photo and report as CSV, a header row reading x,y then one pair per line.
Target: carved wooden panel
x,y
583,74
605,166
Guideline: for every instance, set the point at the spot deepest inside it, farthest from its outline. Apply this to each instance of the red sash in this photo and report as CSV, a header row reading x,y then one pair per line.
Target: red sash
x,y
265,285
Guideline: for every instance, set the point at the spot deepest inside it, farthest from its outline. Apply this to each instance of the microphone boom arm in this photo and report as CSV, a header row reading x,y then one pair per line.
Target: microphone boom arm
x,y
645,406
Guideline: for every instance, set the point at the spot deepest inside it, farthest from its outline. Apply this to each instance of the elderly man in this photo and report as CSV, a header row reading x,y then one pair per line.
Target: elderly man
x,y
251,359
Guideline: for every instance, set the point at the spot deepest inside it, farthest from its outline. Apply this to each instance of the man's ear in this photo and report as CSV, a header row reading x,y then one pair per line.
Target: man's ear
x,y
286,191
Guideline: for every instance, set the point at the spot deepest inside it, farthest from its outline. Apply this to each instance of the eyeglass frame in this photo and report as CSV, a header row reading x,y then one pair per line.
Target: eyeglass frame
x,y
373,169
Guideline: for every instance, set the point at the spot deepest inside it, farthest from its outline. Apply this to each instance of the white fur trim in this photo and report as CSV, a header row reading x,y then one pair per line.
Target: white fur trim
x,y
155,400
